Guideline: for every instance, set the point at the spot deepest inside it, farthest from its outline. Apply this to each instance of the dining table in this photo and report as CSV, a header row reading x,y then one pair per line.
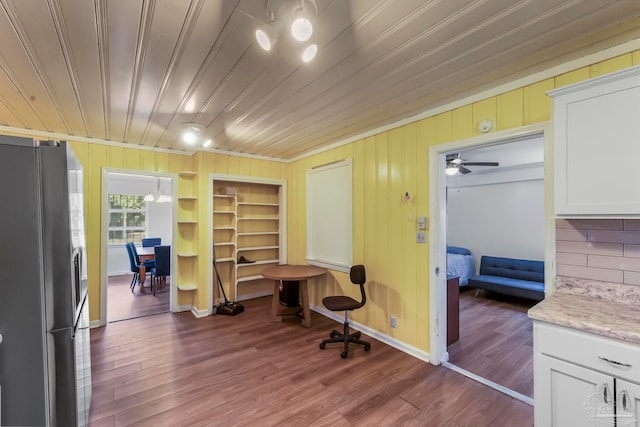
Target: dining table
x,y
144,254
294,273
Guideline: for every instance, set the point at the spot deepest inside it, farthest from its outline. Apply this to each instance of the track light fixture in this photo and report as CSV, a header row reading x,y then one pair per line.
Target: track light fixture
x,y
293,15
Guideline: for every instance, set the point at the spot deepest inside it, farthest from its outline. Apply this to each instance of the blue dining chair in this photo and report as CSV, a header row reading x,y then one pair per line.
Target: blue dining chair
x,y
162,268
134,265
150,242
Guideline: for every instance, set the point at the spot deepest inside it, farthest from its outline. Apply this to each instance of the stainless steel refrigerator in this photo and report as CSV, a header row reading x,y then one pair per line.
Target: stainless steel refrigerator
x,y
45,363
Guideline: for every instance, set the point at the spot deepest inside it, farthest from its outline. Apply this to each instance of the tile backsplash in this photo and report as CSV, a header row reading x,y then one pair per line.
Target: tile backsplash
x,y
599,249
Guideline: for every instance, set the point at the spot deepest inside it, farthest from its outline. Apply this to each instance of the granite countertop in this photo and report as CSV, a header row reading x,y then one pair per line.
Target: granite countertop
x,y
608,309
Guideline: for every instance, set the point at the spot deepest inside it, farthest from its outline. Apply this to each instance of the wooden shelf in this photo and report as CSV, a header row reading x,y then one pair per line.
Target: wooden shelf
x,y
259,233
258,204
257,248
224,228
187,221
187,174
187,287
250,278
225,244
261,262
188,198
187,254
265,218
223,212
228,259
224,196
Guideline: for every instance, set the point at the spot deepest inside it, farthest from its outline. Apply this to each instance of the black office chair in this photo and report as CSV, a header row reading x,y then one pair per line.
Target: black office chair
x,y
339,303
162,268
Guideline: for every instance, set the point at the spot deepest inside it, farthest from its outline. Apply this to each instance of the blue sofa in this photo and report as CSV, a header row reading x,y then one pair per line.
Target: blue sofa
x,y
516,277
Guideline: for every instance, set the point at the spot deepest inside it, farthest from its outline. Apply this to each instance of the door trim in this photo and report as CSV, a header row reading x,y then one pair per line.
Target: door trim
x,y
438,226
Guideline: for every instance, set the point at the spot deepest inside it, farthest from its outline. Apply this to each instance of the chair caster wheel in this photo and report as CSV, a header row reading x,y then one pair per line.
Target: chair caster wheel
x,y
343,354
322,346
367,347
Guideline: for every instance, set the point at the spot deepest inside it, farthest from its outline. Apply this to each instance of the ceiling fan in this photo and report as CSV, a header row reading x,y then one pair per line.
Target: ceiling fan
x,y
456,165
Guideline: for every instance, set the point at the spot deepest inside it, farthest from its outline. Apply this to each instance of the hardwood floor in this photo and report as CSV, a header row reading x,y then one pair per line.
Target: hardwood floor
x,y
176,370
124,304
496,339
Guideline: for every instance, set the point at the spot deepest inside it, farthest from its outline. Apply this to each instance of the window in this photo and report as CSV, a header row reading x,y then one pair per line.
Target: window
x,y
330,216
127,218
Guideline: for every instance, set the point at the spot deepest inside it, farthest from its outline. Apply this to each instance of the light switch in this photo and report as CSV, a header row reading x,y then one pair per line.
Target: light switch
x,y
422,223
421,237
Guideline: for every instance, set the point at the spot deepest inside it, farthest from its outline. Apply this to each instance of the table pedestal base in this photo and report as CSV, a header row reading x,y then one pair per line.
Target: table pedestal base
x,y
277,311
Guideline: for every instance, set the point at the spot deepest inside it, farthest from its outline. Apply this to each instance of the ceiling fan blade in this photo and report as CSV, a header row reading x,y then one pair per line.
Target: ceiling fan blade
x,y
463,170
479,164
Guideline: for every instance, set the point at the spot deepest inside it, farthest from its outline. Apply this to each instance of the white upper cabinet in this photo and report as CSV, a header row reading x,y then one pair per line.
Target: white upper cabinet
x,y
597,146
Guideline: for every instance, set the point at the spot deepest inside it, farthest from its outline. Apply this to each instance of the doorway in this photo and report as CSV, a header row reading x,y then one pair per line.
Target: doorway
x,y
135,205
470,195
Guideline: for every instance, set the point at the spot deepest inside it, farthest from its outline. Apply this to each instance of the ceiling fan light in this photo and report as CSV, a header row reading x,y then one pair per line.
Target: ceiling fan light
x,y
451,169
207,143
309,52
301,28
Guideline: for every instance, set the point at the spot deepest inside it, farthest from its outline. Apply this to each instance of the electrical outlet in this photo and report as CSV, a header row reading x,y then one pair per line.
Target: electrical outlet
x,y
421,237
394,321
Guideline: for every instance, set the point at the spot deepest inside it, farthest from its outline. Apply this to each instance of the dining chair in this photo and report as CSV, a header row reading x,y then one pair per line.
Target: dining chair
x,y
133,264
148,264
339,303
149,242
162,268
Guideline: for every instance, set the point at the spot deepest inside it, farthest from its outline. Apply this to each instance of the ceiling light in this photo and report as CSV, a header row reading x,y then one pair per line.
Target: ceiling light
x,y
451,169
309,53
193,134
157,196
297,16
301,28
266,38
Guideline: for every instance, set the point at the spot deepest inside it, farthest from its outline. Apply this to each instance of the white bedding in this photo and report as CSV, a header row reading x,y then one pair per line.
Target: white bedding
x,y
461,266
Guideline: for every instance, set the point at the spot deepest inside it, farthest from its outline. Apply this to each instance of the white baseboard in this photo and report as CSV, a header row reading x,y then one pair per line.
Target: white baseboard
x,y
94,324
404,347
489,383
200,313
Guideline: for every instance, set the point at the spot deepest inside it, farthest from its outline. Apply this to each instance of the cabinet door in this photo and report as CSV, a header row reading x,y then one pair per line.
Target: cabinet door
x,y
627,403
570,395
596,127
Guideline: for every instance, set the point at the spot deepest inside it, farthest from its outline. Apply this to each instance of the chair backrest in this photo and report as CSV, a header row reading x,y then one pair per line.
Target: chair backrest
x,y
163,260
358,276
135,252
133,259
150,242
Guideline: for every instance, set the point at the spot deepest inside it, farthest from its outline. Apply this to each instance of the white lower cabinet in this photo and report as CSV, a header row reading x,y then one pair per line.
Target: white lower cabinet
x,y
582,379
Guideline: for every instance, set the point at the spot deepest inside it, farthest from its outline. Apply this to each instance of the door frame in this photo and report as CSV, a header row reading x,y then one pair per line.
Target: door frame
x,y
438,225
104,229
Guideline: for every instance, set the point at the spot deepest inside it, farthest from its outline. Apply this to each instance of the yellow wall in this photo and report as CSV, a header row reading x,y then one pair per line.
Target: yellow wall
x,y
385,167
394,162
95,157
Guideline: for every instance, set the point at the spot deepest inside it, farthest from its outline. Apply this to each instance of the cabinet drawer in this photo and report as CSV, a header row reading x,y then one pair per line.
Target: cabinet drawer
x,y
589,350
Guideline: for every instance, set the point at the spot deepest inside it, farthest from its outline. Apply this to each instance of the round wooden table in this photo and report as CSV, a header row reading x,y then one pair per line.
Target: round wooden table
x,y
299,273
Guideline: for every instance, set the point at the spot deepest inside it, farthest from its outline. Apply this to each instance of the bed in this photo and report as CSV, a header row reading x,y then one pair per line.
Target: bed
x,y
460,264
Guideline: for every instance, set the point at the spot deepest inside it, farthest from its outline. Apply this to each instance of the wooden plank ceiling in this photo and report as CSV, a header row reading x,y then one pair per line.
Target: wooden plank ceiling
x,y
134,71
